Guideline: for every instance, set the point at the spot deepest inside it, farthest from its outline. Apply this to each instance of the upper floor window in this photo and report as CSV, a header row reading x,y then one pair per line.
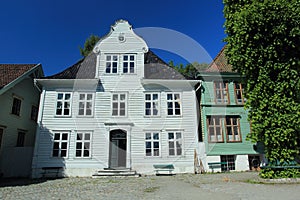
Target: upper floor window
x,y
152,144
128,63
152,104
214,126
111,64
1,136
21,139
173,104
60,144
86,101
63,104
34,113
221,92
16,107
239,93
119,104
175,143
233,129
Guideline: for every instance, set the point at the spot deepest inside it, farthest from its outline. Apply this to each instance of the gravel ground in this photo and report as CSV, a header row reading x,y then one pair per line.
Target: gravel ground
x,y
232,186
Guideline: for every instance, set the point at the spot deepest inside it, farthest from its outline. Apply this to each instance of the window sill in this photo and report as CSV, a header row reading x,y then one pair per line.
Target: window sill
x,y
152,116
62,116
85,116
174,116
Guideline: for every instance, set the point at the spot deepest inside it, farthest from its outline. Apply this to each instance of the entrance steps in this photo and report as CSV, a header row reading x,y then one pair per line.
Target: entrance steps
x,y
115,173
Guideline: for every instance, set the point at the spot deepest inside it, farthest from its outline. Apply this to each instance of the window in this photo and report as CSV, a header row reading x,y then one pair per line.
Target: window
x,y
152,104
63,105
34,113
1,136
16,108
21,139
175,143
152,144
119,104
230,159
233,129
174,104
112,64
86,104
60,144
214,125
239,93
83,145
129,64
221,92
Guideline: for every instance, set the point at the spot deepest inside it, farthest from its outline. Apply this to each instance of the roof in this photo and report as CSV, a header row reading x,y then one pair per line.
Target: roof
x,y
10,72
155,68
220,63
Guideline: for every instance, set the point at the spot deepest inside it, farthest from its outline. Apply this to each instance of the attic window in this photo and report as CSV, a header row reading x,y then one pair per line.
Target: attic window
x,y
121,37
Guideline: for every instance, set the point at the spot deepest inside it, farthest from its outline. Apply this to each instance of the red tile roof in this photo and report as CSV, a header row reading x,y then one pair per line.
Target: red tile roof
x,y
10,72
220,63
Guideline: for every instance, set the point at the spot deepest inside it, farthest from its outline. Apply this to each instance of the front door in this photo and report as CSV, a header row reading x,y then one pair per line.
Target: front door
x,y
117,149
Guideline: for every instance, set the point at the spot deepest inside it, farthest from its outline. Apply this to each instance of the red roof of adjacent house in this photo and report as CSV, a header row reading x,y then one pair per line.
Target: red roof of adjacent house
x,y
220,63
10,72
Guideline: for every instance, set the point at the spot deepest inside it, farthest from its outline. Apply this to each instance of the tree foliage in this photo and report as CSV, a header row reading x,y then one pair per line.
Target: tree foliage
x,y
190,70
89,45
263,43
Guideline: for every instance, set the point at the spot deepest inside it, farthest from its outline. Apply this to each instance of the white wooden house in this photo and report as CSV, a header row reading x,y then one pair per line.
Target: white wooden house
x,y
121,107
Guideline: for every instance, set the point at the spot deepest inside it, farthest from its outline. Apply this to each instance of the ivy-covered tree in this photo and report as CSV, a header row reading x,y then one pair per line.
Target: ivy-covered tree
x,y
263,43
89,45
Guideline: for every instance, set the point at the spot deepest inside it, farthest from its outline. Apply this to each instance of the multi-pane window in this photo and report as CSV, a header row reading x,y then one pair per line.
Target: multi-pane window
x,y
63,104
21,139
129,64
152,144
1,136
119,104
16,107
60,144
173,104
175,143
215,133
85,104
111,64
221,92
83,144
239,93
233,129
230,163
152,104
34,113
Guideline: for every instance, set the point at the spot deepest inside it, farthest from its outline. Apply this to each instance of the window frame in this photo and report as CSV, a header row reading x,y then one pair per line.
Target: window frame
x,y
63,101
232,127
215,126
83,141
175,140
152,140
16,109
85,101
21,139
60,141
128,62
111,61
221,89
119,102
241,91
173,101
230,164
34,113
152,102
1,135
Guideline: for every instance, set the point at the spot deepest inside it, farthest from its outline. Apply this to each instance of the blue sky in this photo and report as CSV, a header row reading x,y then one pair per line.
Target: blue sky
x,y
50,31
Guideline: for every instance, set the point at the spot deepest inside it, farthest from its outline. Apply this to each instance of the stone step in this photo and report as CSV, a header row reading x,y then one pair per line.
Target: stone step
x,y
115,172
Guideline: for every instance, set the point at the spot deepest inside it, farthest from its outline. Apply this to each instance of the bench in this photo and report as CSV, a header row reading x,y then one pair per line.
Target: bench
x,y
163,167
214,165
52,171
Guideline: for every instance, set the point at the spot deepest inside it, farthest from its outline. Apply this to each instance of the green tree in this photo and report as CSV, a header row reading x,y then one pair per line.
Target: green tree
x,y
263,43
89,45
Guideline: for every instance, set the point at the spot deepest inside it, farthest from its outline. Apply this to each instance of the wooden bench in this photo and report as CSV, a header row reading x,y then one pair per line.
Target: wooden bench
x,y
53,172
214,165
163,167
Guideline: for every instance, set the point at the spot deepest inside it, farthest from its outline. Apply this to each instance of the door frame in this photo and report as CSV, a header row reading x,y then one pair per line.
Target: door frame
x,y
117,138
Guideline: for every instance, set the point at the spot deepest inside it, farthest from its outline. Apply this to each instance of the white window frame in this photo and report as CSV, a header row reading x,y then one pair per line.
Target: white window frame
x,y
152,102
85,102
60,141
16,109
110,60
129,63
83,141
173,102
152,140
175,141
63,101
118,102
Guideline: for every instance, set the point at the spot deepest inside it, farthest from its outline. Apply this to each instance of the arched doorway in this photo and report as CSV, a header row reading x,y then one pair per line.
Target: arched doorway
x,y
117,149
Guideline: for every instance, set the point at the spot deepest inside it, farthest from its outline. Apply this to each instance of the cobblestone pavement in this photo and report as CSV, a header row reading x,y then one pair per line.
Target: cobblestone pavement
x,y
244,185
